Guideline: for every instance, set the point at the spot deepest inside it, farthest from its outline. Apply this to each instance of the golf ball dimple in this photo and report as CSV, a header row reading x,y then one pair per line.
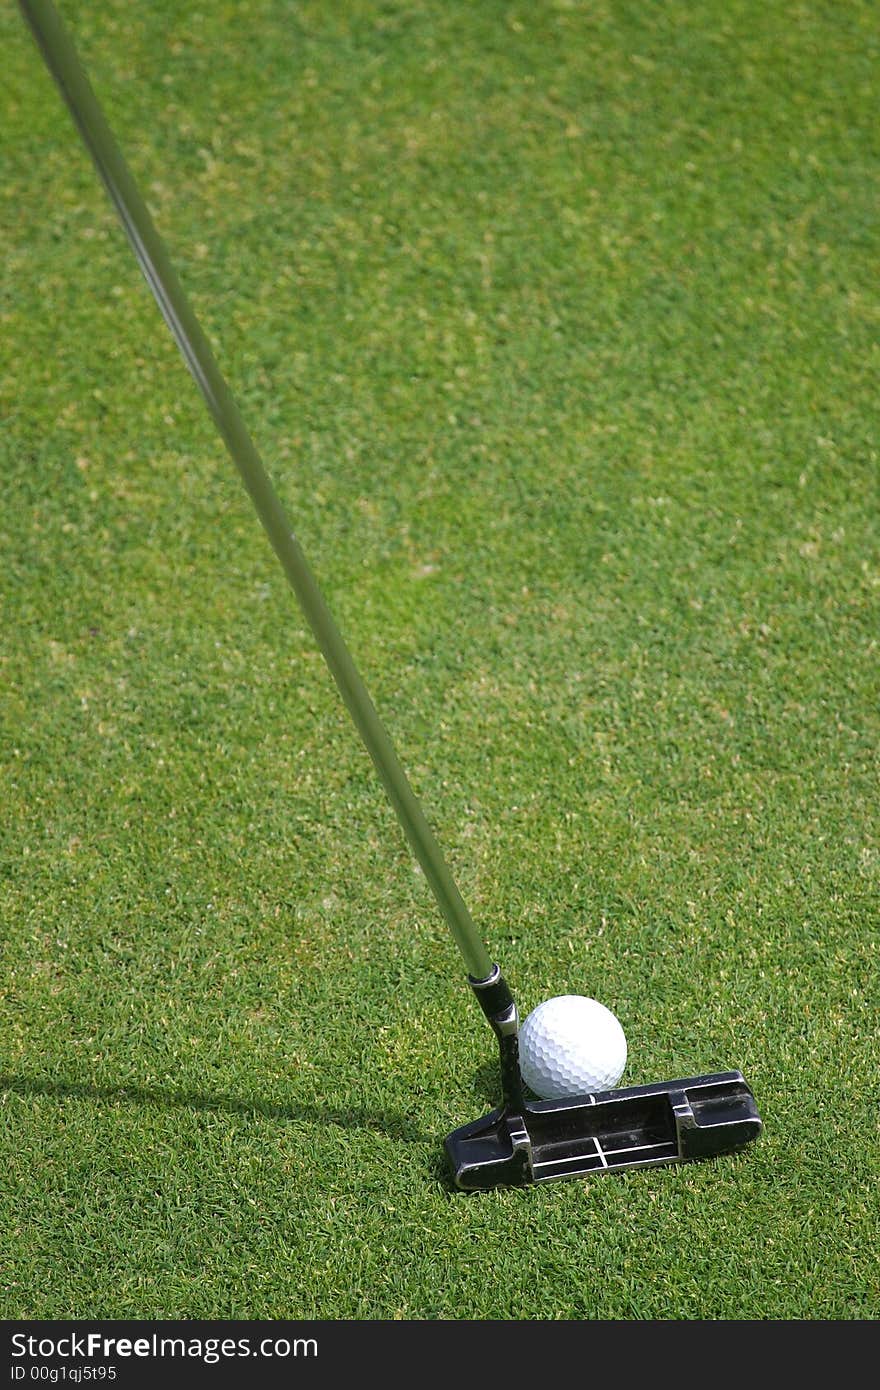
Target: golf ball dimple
x,y
571,1045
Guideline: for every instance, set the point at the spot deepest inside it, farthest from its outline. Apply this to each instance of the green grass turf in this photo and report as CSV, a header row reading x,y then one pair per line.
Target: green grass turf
x,y
557,326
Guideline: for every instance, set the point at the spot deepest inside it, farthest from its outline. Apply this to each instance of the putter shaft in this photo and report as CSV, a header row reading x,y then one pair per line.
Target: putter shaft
x,y
63,62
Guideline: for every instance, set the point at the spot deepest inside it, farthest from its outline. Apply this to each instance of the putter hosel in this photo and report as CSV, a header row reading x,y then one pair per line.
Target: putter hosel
x,y
497,1003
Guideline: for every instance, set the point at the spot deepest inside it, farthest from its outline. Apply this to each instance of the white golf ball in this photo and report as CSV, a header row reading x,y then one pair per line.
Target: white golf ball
x,y
571,1046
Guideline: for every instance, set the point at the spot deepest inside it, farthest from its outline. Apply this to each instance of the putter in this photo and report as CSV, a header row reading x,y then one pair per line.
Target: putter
x,y
523,1140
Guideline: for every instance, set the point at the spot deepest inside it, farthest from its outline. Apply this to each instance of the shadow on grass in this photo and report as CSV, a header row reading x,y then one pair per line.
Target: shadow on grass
x,y
487,1084
394,1125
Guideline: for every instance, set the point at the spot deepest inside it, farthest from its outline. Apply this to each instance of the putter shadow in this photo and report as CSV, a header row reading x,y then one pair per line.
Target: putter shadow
x,y
390,1123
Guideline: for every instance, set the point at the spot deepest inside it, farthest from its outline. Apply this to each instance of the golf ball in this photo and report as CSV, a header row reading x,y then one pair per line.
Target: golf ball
x,y
571,1046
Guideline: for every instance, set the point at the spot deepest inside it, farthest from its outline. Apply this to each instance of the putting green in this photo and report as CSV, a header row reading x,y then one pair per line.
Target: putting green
x,y
557,338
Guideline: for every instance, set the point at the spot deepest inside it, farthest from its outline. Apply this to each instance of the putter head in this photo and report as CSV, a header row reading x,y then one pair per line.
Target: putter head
x,y
635,1127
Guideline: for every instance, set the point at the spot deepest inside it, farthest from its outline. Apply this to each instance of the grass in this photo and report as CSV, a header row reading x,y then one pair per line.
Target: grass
x,y
558,330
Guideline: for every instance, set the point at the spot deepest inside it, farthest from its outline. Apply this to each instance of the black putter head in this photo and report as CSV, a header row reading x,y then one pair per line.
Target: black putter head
x,y
635,1127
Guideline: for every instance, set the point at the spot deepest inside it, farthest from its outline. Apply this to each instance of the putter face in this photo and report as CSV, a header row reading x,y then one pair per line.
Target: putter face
x,y
636,1127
